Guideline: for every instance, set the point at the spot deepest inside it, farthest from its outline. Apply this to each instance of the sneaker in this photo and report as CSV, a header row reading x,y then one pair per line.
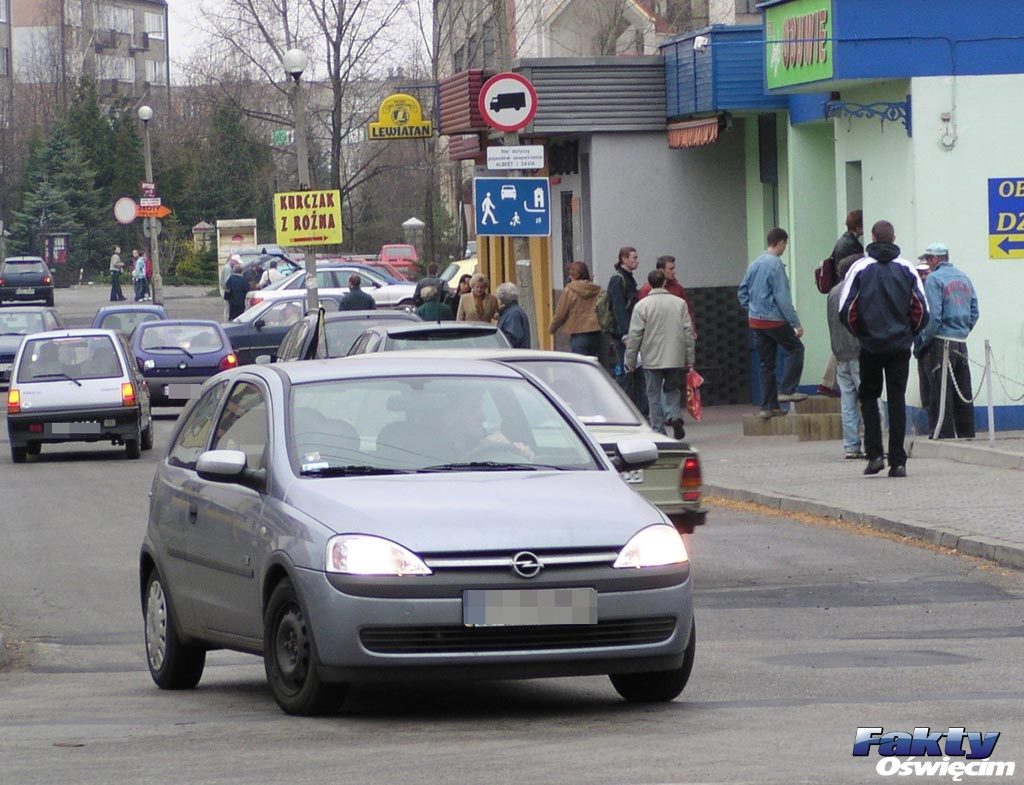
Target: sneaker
x,y
897,471
767,414
855,456
793,396
875,465
829,392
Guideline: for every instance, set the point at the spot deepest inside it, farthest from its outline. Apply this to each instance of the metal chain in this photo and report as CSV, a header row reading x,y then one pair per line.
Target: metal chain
x,y
952,378
995,372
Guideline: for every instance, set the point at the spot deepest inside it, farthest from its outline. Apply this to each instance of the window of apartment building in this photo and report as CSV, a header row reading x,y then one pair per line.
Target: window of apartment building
x,y
154,25
115,67
5,59
156,71
4,16
115,17
490,43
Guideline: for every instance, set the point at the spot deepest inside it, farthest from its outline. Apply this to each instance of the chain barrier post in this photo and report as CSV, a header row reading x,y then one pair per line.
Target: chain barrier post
x,y
988,389
942,393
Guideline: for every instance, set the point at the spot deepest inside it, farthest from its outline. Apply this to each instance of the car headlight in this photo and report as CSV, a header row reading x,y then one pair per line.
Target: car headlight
x,y
361,554
655,546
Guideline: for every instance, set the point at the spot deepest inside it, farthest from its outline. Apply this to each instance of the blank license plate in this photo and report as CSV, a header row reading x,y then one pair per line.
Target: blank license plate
x,y
181,390
25,290
74,428
528,607
633,476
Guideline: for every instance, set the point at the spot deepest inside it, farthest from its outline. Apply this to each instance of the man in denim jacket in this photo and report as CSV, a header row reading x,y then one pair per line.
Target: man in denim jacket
x,y
764,292
953,305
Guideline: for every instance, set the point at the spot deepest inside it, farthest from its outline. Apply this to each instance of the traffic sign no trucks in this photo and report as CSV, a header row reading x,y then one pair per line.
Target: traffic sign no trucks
x,y
512,206
507,102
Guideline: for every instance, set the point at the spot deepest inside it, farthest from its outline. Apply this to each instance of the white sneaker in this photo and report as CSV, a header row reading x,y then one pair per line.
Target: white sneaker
x,y
793,396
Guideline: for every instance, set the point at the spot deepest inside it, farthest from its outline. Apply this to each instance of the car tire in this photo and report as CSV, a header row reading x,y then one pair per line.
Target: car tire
x,y
49,301
657,686
132,448
19,454
34,448
146,437
290,658
172,664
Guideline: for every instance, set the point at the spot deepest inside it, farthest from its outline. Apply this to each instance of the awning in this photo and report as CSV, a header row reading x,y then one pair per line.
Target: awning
x,y
693,133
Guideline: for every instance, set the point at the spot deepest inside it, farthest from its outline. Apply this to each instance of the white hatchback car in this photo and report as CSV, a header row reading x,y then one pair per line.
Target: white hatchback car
x,y
77,386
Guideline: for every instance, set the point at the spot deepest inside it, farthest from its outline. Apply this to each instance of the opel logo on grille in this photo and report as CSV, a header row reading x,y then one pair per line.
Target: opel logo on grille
x,y
526,565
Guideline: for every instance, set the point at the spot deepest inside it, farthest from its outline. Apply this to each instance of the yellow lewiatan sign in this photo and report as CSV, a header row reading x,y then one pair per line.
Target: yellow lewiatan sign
x,y
400,116
308,217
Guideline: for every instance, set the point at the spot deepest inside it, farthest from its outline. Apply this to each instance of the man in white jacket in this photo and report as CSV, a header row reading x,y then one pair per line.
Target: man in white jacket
x,y
660,330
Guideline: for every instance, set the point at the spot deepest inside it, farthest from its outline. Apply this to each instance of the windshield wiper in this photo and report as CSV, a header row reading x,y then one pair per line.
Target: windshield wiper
x,y
169,349
490,466
16,332
55,376
348,471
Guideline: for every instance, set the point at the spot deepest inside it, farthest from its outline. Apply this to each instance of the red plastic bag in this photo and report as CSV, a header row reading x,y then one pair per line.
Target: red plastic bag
x,y
693,405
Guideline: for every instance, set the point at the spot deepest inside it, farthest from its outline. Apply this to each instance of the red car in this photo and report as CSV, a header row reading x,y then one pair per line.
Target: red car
x,y
402,257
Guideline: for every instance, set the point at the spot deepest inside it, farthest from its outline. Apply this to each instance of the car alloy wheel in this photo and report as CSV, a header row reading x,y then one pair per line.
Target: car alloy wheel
x,y
172,664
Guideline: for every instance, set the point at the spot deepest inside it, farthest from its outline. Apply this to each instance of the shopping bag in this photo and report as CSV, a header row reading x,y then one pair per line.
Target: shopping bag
x,y
693,405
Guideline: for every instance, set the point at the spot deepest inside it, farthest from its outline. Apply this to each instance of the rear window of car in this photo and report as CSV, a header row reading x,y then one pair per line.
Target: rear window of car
x,y
468,340
60,359
342,333
401,250
195,338
23,323
26,266
591,394
124,323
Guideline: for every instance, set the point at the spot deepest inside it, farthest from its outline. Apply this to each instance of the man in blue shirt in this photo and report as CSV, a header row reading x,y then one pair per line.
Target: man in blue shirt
x,y
764,292
953,309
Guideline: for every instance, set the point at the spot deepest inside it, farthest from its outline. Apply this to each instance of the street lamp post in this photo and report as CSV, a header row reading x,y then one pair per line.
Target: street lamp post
x,y
145,115
295,62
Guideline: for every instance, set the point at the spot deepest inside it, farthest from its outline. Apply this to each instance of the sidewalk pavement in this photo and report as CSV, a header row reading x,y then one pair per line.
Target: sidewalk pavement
x,y
964,495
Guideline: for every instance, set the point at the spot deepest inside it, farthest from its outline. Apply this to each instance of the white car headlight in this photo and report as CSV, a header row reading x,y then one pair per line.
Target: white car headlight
x,y
361,554
655,546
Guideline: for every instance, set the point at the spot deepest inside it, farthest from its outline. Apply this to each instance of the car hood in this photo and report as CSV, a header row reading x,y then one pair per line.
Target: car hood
x,y
480,511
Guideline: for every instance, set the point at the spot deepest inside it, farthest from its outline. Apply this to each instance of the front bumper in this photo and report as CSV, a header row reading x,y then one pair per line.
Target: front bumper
x,y
74,425
360,638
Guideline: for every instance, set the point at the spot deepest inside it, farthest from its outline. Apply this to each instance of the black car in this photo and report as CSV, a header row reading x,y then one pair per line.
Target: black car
x,y
260,330
340,330
25,278
17,322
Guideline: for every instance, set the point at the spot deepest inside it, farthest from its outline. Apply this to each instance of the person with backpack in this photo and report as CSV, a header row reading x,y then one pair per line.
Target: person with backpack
x,y
848,244
577,311
622,298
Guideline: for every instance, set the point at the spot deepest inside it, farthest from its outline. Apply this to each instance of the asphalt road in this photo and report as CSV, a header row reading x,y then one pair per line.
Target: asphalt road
x,y
805,633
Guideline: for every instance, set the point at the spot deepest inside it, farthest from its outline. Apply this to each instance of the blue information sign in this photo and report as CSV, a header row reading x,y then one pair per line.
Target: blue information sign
x,y
1006,218
512,206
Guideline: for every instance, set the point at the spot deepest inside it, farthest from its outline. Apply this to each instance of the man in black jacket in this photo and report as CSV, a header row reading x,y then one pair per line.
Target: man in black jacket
x,y
356,299
235,289
622,297
884,305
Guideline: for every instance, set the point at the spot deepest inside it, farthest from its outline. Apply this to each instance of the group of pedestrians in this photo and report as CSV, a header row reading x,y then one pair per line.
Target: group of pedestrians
x,y
879,313
141,271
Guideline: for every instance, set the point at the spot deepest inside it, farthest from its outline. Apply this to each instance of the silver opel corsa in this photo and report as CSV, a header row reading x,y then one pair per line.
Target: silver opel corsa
x,y
389,520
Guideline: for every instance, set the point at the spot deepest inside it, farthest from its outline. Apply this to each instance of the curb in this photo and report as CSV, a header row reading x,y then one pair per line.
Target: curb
x,y
968,453
1002,552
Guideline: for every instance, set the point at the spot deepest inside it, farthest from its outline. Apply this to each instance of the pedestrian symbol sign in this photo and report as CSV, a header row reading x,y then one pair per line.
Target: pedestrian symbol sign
x,y
512,206
1006,218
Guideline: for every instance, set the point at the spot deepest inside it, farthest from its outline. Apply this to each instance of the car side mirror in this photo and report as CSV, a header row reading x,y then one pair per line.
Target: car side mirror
x,y
263,359
228,466
259,324
634,454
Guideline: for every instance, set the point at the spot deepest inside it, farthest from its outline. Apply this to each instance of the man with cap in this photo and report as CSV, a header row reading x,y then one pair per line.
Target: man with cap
x,y
953,305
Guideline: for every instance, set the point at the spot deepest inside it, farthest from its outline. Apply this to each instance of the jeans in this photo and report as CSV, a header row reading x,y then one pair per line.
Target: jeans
x,y
958,419
768,343
848,378
115,286
586,343
667,382
895,367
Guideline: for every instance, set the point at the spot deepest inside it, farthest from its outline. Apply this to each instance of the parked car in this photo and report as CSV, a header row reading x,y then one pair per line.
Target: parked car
x,y
444,335
260,330
401,256
672,483
370,263
340,330
177,355
333,280
323,510
77,386
125,318
455,270
15,323
25,278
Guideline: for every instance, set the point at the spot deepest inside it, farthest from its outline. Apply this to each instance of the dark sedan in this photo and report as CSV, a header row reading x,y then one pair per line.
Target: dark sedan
x,y
177,356
15,324
260,330
340,330
25,278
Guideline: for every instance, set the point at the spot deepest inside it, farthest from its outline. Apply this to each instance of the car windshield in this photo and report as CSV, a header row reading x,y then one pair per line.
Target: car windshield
x,y
128,321
69,358
194,338
435,423
450,271
20,323
455,339
591,394
342,333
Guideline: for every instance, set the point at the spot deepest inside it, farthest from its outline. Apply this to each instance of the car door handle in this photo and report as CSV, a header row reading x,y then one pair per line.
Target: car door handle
x,y
193,513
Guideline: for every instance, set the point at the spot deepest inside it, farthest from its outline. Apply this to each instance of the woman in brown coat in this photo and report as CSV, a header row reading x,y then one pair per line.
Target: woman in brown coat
x,y
576,311
479,305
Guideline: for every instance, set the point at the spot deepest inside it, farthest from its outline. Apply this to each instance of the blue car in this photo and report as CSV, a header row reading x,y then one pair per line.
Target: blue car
x,y
125,318
176,356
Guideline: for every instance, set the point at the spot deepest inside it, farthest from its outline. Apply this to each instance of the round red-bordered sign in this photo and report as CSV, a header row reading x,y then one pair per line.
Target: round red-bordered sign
x,y
507,102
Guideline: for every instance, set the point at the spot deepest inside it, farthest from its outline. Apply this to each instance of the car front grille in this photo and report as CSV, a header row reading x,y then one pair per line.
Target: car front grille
x,y
468,640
